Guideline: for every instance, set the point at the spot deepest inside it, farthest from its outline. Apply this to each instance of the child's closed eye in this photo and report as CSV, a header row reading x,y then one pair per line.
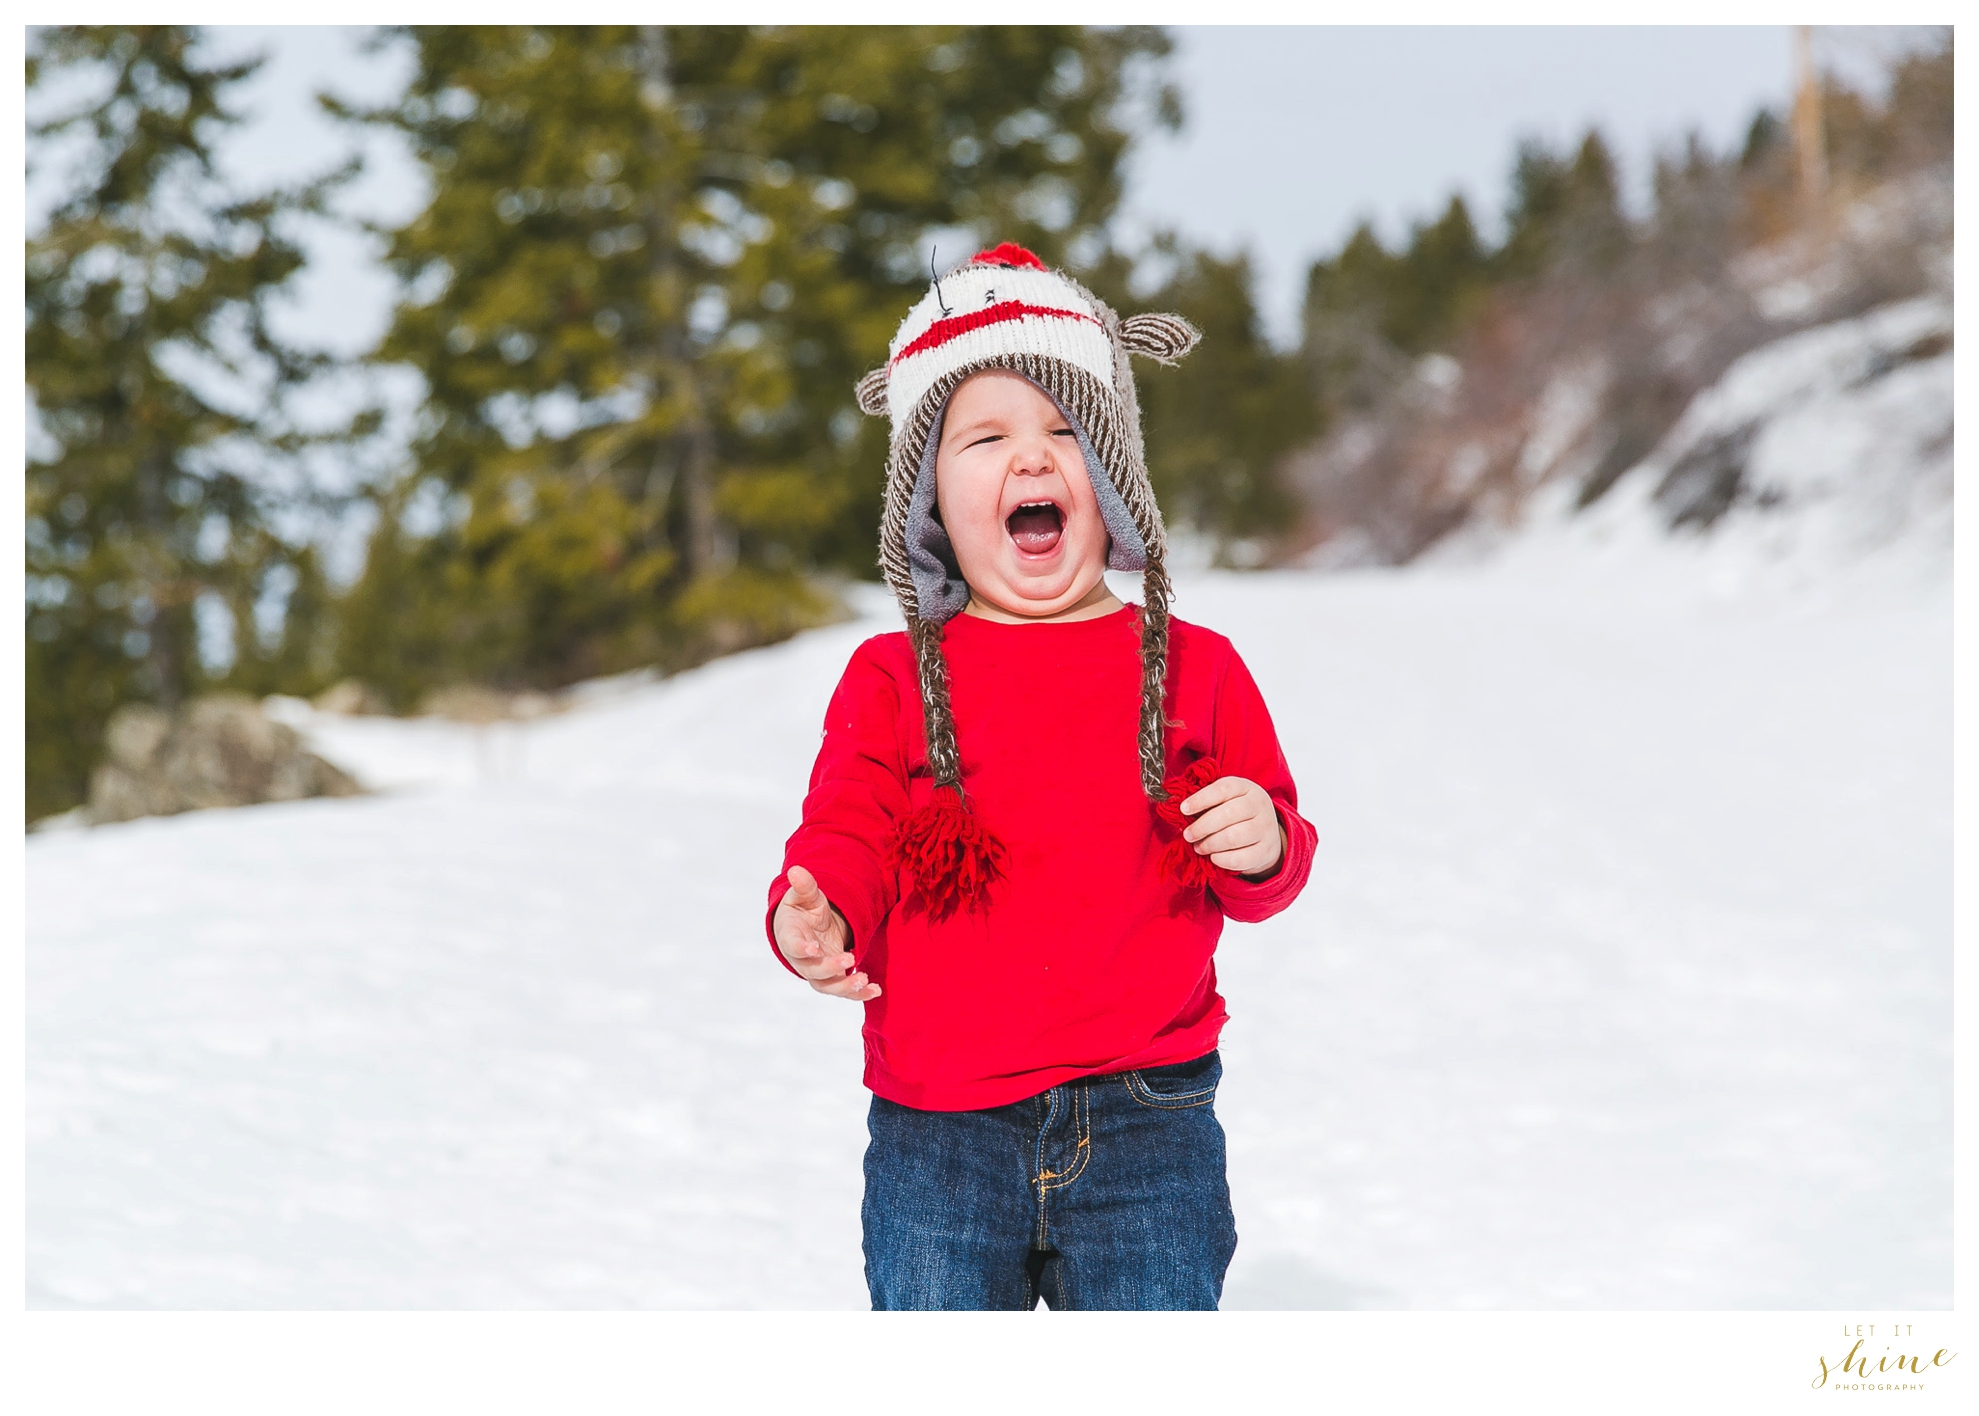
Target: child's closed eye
x,y
998,437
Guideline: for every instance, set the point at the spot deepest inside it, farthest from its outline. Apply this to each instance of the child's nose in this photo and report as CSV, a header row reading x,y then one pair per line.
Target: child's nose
x,y
1035,455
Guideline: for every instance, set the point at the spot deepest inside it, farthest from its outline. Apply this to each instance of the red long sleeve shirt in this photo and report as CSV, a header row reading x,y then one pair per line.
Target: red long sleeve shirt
x,y
1088,958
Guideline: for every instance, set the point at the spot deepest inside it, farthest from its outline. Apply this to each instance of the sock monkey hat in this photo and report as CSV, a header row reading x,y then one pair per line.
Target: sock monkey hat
x,y
1005,309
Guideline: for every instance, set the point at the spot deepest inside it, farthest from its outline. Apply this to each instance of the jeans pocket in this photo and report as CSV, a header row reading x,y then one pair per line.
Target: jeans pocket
x,y
1178,1084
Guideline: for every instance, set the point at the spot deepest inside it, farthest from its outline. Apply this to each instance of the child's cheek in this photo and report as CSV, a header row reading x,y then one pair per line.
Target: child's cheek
x,y
968,513
1087,539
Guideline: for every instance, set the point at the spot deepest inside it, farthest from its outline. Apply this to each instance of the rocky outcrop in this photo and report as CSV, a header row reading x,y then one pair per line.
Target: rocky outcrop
x,y
220,750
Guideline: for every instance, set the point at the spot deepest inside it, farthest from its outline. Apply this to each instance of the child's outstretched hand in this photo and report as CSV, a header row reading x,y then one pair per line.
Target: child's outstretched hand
x,y
814,938
1238,828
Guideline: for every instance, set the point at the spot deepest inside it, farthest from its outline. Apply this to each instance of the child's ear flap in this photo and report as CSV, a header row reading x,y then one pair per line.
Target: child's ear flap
x,y
1163,338
871,392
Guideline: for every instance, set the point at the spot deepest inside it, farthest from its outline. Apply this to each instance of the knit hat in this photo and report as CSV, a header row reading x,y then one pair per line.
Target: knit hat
x,y
1005,309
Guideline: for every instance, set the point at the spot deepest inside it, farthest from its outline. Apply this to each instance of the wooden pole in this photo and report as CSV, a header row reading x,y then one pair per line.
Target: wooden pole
x,y
1809,138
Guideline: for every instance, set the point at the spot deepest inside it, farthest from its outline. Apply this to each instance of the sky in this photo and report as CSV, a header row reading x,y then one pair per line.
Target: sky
x,y
1295,135
1292,134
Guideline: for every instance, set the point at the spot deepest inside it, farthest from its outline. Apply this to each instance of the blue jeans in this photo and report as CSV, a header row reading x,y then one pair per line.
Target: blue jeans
x,y
1106,1192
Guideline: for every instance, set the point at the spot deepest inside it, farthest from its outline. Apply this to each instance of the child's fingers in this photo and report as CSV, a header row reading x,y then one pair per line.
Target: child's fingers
x,y
1239,837
855,985
824,963
1248,861
1218,818
840,987
1221,790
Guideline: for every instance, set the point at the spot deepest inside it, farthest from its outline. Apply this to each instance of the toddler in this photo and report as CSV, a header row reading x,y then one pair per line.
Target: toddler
x,y
1029,817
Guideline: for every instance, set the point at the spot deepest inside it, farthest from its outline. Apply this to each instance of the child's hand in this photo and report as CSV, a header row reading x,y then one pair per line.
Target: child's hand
x,y
1238,828
813,936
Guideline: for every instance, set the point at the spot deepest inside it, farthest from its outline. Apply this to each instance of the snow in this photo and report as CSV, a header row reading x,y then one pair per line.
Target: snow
x,y
1849,432
1622,980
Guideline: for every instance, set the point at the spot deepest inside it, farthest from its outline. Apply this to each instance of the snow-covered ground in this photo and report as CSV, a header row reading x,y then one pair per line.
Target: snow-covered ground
x,y
1622,980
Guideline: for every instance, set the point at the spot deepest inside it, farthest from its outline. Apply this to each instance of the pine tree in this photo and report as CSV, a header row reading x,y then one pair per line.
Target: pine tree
x,y
654,265
1370,313
1439,282
147,299
1347,337
1564,212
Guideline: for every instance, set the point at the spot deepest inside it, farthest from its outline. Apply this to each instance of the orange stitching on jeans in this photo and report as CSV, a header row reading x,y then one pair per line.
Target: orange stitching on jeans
x,y
1082,1128
1051,1109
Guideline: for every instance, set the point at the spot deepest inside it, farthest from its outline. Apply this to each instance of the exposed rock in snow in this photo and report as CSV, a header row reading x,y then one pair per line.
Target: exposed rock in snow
x,y
221,750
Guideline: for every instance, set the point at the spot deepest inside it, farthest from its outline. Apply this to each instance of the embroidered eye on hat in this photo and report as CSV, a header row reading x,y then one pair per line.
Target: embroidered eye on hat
x,y
1006,309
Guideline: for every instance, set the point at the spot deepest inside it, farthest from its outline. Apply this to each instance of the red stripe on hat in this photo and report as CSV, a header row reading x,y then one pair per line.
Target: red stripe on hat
x,y
1009,254
941,331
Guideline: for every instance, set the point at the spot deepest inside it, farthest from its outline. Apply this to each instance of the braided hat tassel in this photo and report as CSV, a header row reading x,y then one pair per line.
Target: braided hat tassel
x,y
1181,861
950,854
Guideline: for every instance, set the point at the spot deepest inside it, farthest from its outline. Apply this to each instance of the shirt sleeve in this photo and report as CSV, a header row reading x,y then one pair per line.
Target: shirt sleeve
x,y
858,789
1246,745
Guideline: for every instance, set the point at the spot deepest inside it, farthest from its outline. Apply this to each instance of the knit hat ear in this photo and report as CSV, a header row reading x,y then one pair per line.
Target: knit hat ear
x,y
871,393
1162,338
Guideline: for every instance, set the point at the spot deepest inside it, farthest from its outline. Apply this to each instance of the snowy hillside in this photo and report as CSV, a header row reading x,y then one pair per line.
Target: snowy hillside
x,y
1622,980
1825,453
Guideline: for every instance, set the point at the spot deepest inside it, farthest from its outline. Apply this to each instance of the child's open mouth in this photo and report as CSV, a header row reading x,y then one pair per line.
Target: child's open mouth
x,y
1036,527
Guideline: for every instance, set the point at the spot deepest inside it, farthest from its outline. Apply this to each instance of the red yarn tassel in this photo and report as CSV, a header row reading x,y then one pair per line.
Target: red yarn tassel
x,y
952,858
1179,858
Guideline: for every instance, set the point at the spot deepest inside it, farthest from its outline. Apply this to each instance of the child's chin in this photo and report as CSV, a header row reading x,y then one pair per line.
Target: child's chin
x,y
1044,590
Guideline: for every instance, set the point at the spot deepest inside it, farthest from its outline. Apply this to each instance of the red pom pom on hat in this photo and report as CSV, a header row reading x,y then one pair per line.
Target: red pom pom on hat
x,y
1009,253
950,855
1179,858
